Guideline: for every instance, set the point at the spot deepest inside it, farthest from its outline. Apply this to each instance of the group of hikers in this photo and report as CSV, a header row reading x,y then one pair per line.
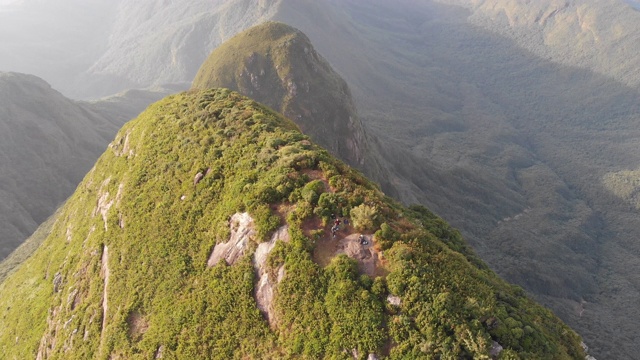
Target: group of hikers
x,y
336,226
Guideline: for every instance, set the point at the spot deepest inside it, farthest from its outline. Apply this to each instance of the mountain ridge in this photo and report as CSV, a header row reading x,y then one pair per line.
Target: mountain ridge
x,y
47,143
45,138
124,270
277,65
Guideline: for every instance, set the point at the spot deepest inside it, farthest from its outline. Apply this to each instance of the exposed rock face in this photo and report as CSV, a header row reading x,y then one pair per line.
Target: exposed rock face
x,y
367,256
104,271
197,178
57,281
394,300
104,204
120,147
265,289
586,349
159,352
496,349
242,231
276,64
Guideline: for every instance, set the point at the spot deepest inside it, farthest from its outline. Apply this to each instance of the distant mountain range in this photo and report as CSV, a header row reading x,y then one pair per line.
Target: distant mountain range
x,y
514,121
48,143
123,44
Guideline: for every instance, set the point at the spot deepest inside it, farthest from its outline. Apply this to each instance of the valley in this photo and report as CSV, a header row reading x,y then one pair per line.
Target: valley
x,y
548,132
47,144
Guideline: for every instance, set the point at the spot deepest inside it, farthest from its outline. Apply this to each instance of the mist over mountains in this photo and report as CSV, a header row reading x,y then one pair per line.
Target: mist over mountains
x,y
516,122
164,42
55,41
596,35
635,4
48,143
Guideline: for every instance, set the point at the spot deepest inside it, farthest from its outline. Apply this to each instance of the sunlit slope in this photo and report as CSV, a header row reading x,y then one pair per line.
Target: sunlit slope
x,y
131,268
278,66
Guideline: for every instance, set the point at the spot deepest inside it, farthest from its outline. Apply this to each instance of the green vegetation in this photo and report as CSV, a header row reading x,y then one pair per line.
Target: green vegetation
x,y
364,217
507,144
19,255
123,273
625,185
276,64
47,144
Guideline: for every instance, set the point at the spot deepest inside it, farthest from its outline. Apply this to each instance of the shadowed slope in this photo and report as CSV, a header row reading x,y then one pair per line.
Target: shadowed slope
x,y
601,36
47,144
480,106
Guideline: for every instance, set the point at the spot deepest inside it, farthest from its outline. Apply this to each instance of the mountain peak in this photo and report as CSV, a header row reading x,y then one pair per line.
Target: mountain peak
x,y
277,65
212,228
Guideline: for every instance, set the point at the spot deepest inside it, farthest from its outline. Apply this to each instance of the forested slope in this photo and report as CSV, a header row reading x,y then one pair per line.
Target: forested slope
x,y
135,265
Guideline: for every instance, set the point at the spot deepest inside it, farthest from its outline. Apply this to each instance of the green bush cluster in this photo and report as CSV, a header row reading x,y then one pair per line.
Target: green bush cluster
x,y
365,217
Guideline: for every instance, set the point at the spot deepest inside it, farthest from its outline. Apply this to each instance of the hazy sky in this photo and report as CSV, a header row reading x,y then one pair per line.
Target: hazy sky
x,y
634,3
4,4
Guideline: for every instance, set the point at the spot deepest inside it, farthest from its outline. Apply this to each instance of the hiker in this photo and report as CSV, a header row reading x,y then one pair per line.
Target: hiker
x,y
363,240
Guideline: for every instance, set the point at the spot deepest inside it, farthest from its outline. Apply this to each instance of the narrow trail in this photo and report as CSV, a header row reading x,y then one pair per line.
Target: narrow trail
x,y
105,274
